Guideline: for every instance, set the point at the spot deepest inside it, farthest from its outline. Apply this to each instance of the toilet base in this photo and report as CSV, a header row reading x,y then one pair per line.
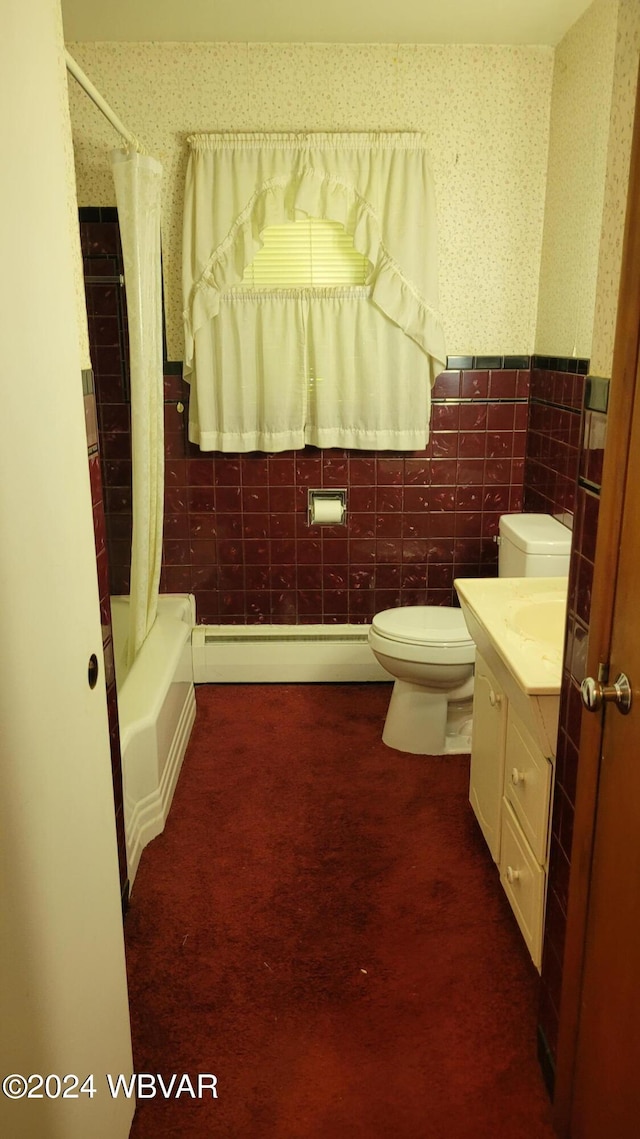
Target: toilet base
x,y
429,723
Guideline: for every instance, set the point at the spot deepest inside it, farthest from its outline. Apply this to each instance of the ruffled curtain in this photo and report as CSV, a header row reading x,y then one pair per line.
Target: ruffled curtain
x,y
138,181
273,370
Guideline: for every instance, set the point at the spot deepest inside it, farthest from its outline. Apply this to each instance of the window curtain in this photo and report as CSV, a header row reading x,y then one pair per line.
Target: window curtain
x,y
138,181
273,370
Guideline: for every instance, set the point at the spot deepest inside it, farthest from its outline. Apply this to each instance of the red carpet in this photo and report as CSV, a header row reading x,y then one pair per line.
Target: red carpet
x,y
321,927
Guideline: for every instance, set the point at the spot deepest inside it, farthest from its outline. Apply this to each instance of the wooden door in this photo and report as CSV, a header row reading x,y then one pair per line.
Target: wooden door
x,y
597,1081
606,1098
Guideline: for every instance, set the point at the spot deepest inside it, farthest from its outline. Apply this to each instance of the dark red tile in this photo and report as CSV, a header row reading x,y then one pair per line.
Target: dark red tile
x,y
470,472
335,603
361,525
503,384
282,577
475,385
177,552
362,498
417,472
471,444
255,499
441,525
309,576
447,386
362,472
282,472
388,551
177,500
255,525
335,577
473,417
226,472
444,472
501,416
390,472
389,498
202,526
227,499
445,444
414,550
176,526
286,525
200,472
387,576
335,550
201,499
468,525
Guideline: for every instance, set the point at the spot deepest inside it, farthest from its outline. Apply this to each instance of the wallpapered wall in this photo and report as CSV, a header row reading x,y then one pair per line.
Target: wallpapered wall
x,y
485,111
580,112
625,78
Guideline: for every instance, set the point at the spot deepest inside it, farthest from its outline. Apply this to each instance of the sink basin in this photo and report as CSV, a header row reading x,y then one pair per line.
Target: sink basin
x,y
540,620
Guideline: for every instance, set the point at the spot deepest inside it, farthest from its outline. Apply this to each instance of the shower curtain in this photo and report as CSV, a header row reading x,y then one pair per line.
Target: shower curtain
x,y
138,180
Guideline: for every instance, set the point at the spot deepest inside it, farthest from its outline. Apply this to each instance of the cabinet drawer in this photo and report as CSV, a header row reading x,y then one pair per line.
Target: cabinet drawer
x,y
524,883
528,777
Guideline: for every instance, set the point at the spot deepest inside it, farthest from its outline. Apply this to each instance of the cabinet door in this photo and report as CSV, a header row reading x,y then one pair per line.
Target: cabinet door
x,y
527,785
487,754
524,883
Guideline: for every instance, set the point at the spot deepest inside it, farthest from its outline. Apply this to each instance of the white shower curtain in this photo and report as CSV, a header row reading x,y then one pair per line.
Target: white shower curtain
x,y
138,180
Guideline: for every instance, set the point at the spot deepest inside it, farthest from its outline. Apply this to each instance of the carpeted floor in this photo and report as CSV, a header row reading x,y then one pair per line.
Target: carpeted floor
x,y
321,926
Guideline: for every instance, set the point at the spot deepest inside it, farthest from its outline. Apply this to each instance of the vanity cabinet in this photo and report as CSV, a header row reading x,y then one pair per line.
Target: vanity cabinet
x,y
511,789
487,754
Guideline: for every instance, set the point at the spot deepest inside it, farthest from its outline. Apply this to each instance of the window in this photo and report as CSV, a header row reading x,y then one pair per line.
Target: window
x,y
309,253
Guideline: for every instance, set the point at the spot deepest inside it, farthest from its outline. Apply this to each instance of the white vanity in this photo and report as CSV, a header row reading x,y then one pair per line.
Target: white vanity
x,y
518,627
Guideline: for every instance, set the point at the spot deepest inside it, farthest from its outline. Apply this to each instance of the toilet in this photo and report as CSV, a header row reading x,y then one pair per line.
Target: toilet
x,y
428,650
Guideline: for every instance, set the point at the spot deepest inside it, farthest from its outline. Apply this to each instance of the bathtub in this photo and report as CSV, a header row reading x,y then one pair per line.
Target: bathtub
x,y
156,710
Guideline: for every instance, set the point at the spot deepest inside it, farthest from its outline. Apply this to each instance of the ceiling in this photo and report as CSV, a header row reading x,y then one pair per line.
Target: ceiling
x,y
325,21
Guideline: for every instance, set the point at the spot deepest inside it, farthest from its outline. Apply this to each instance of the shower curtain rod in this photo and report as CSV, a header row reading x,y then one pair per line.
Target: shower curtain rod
x,y
101,103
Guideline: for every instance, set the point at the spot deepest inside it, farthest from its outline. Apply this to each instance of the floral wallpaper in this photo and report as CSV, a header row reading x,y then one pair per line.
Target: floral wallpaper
x,y
484,109
580,112
625,80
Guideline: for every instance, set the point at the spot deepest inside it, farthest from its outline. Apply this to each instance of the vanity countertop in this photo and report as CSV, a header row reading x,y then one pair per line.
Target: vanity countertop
x,y
522,619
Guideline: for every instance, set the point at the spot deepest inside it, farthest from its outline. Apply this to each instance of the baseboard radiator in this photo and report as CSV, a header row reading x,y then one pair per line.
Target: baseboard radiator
x,y
263,654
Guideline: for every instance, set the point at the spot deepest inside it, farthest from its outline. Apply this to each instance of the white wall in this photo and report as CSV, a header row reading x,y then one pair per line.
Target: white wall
x,y
62,972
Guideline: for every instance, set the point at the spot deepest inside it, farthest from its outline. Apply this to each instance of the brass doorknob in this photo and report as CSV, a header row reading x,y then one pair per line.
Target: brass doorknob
x,y
595,695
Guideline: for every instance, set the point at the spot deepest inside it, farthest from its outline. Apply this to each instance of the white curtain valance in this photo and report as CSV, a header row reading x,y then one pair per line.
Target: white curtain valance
x,y
378,186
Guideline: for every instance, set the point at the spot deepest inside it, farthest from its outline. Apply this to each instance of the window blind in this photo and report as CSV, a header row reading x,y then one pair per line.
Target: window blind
x,y
311,252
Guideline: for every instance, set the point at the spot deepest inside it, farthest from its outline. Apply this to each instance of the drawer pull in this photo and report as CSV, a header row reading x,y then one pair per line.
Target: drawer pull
x,y
517,776
495,698
513,875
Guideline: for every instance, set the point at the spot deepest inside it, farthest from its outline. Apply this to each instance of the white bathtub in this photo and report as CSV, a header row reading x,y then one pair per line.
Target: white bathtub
x,y
156,710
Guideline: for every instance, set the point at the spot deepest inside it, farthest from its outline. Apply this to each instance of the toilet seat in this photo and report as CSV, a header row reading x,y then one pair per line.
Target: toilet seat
x,y
423,625
433,633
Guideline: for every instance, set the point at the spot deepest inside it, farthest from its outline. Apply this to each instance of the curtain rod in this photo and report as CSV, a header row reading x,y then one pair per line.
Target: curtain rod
x,y
100,103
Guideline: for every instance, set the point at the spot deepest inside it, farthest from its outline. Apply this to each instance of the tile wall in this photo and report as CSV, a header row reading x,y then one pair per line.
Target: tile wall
x,y
553,443
587,500
100,532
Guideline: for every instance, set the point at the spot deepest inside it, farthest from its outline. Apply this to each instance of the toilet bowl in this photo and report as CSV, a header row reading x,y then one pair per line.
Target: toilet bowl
x,y
428,650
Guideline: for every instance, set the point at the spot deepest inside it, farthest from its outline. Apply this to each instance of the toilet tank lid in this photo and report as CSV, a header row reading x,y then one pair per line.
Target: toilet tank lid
x,y
536,533
423,625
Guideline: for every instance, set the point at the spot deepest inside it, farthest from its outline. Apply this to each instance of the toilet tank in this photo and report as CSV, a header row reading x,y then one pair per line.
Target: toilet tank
x,y
533,545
